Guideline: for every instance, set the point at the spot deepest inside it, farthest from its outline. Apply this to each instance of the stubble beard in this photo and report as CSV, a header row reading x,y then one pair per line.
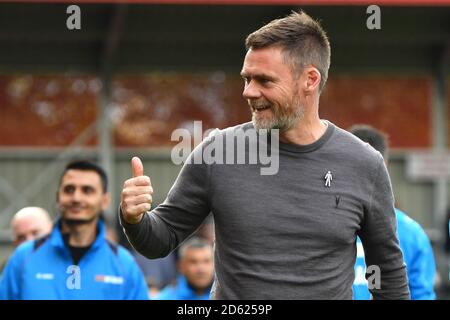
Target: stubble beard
x,y
282,118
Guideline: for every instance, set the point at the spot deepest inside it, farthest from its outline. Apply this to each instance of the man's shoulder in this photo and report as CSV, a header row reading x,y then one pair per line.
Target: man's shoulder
x,y
355,148
119,251
22,253
408,226
24,249
123,255
168,293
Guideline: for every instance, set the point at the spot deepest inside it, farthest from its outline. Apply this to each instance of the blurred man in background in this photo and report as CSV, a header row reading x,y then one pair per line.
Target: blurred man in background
x,y
30,223
415,245
75,261
157,272
162,272
27,224
196,268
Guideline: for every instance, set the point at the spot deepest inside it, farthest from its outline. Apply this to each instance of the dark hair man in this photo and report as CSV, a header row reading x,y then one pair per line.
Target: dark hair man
x,y
75,261
290,235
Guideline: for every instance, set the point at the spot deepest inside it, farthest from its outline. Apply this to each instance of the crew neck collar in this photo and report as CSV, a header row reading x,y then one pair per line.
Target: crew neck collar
x,y
313,146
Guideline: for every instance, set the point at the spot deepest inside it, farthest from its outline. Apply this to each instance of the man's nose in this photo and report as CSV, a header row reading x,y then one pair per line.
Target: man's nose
x,y
76,195
251,91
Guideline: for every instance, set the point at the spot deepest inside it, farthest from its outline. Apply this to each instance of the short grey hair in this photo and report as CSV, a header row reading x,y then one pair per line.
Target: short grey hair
x,y
193,243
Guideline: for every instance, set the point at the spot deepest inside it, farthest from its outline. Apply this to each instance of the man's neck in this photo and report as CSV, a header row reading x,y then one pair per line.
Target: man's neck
x,y
308,130
81,235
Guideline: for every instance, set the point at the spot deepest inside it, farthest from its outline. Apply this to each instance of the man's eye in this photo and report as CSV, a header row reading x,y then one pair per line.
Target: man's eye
x,y
88,190
69,189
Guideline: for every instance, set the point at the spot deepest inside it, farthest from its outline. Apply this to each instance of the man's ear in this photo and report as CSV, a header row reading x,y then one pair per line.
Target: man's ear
x,y
106,200
311,80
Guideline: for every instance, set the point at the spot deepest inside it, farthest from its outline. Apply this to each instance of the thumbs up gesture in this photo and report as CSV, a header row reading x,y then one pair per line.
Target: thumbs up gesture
x,y
136,196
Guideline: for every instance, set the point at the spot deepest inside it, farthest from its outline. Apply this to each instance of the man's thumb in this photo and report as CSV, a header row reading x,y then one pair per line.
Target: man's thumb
x,y
138,168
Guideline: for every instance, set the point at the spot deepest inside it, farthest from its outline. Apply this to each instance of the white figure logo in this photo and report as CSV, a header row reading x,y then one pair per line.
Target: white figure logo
x,y
328,178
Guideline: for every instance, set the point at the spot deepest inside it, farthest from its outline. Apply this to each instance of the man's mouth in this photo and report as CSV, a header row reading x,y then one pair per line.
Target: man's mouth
x,y
75,209
260,108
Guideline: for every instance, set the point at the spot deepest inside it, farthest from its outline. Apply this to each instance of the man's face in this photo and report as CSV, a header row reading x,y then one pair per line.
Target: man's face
x,y
271,90
197,266
29,228
80,196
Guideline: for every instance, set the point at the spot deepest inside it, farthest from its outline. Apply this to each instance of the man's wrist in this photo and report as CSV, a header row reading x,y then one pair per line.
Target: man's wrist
x,y
127,220
135,220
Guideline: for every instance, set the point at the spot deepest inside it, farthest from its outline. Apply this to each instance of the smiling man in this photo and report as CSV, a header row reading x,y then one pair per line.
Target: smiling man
x,y
75,261
291,235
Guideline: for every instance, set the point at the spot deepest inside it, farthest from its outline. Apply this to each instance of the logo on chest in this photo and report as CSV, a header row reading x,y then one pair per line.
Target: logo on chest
x,y
45,276
109,279
328,178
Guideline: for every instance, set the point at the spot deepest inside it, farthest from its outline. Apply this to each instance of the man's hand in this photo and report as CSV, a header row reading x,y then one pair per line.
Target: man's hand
x,y
136,197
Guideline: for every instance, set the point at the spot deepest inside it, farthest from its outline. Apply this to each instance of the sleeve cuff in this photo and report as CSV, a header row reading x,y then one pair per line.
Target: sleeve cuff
x,y
126,224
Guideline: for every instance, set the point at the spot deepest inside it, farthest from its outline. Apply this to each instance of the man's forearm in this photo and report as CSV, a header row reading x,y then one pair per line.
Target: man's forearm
x,y
149,237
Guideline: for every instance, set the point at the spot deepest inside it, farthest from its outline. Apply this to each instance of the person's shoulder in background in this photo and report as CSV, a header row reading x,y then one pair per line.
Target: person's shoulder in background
x,y
409,230
167,293
418,256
